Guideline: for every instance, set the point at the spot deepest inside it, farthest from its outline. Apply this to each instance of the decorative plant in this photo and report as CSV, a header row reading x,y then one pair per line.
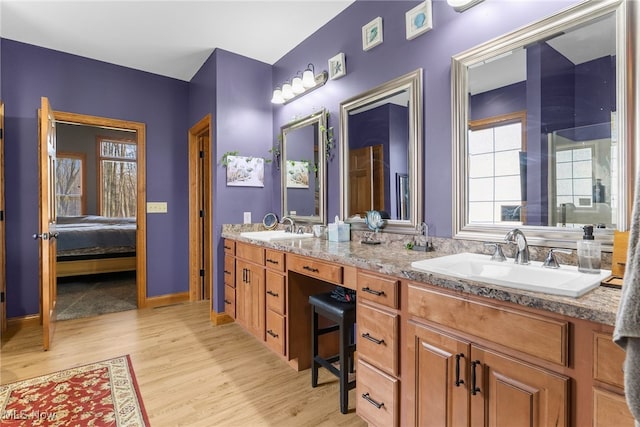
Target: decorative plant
x,y
275,151
224,161
328,137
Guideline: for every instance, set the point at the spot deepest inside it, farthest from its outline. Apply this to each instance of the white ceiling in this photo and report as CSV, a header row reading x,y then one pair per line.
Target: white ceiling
x,y
168,37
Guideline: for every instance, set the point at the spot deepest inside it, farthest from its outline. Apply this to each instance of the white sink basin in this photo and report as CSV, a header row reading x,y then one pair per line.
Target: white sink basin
x,y
273,235
566,280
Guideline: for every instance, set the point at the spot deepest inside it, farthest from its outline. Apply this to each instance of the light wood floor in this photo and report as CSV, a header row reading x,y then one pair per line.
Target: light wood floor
x,y
190,373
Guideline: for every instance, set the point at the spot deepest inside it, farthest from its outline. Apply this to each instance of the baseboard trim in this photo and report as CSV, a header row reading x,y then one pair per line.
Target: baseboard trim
x,y
220,318
169,299
22,321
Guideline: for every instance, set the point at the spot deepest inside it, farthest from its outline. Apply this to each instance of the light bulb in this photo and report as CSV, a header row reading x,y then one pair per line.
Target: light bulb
x,y
277,96
308,79
287,91
296,85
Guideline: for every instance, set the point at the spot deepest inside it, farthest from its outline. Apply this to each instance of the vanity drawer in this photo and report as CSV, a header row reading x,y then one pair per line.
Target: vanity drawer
x,y
274,260
275,290
230,271
610,409
376,396
318,269
608,360
378,338
229,247
379,289
250,253
275,332
230,301
538,336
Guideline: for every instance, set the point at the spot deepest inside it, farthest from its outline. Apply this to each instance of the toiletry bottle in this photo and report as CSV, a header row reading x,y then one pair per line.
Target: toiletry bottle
x,y
588,252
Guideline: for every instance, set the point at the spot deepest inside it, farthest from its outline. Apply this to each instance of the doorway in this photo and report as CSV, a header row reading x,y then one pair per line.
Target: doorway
x,y
113,156
200,212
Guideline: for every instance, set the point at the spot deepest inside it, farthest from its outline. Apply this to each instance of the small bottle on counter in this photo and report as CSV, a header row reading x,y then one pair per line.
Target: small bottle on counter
x,y
588,252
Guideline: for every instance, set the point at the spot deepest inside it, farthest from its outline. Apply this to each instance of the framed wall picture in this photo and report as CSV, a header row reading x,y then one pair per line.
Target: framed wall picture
x,y
372,34
419,20
337,67
297,174
245,171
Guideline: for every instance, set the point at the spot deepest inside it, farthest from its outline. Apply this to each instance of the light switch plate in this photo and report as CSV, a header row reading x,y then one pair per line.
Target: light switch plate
x,y
247,217
156,207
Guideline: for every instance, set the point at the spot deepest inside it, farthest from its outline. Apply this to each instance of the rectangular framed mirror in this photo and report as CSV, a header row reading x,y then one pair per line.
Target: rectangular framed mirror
x,y
539,129
303,169
381,160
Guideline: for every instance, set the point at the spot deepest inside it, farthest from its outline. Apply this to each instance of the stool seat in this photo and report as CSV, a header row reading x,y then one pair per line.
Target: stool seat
x,y
332,306
343,315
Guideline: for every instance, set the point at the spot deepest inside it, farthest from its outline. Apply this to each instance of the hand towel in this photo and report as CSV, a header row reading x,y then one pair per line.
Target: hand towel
x,y
627,329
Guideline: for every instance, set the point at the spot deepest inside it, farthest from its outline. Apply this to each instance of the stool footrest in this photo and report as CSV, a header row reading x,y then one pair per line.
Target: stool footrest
x,y
328,329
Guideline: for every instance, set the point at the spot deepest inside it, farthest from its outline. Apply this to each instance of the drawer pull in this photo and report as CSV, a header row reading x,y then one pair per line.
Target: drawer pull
x,y
311,269
373,402
273,334
372,339
474,387
227,272
372,291
273,261
227,247
458,380
273,294
226,301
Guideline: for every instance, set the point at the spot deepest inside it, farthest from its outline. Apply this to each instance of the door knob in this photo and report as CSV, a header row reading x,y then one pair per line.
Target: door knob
x,y
43,236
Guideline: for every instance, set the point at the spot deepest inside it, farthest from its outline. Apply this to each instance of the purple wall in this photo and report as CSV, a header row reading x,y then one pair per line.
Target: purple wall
x,y
396,56
237,91
85,86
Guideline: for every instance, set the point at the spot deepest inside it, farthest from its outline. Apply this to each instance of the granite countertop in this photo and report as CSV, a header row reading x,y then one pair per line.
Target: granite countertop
x,y
599,305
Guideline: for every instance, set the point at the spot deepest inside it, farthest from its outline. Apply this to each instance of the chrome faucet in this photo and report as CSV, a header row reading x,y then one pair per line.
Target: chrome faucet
x,y
516,237
291,228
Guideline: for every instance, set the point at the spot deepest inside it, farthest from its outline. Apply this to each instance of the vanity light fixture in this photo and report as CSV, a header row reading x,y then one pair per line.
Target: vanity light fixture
x,y
299,86
462,5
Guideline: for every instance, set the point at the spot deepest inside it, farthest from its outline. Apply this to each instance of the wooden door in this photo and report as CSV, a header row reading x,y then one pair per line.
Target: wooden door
x,y
200,210
366,180
3,269
47,233
439,378
242,293
513,393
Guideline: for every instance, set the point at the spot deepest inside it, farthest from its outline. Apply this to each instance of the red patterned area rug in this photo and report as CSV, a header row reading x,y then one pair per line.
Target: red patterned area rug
x,y
99,394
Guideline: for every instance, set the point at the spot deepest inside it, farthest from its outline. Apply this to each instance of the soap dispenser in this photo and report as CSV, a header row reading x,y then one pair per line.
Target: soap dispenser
x,y
588,252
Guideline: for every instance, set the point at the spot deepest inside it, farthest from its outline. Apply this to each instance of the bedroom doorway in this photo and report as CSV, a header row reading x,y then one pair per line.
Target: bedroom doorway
x,y
103,167
200,211
3,283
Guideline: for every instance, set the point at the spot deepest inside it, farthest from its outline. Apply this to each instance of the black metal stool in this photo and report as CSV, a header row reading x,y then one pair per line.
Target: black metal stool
x,y
343,314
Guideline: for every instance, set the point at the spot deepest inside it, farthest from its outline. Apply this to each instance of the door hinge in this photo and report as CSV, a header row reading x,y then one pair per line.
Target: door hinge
x,y
1,133
1,297
201,154
201,213
1,215
201,273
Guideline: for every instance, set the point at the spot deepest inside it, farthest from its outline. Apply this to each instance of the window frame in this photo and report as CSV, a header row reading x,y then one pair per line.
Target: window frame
x,y
100,158
82,157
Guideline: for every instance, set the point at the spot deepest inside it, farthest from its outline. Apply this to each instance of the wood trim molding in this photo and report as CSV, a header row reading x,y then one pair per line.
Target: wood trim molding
x,y
23,321
220,318
168,299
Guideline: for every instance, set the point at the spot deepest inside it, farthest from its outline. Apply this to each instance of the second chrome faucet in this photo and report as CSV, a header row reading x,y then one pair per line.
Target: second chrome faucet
x,y
517,238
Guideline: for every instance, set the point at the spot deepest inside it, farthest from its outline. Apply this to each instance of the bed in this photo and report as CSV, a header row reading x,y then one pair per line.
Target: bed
x,y
91,244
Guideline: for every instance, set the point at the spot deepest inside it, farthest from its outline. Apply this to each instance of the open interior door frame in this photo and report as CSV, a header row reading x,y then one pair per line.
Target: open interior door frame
x,y
3,260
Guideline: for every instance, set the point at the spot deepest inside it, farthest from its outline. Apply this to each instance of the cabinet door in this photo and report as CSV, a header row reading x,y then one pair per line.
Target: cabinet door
x,y
243,294
512,393
439,393
256,306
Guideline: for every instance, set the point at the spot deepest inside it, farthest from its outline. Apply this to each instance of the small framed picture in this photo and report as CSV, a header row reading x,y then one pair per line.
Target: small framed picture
x,y
372,34
337,67
419,20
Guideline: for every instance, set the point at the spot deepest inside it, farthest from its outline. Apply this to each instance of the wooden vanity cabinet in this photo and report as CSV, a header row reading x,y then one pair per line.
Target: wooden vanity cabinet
x,y
609,404
250,288
454,380
378,341
230,277
275,297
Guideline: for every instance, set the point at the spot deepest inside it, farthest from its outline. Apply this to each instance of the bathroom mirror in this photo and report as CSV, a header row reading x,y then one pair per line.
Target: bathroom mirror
x,y
381,154
303,169
539,138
